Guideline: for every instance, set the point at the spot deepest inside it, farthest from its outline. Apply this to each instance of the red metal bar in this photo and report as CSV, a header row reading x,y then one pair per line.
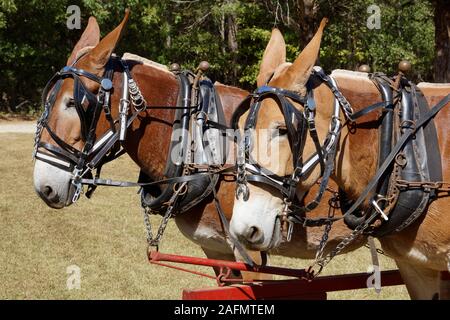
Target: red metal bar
x,y
246,292
445,275
183,269
444,290
292,289
158,256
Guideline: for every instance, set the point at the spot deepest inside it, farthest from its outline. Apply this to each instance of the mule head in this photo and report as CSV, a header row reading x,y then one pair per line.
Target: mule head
x,y
53,182
256,221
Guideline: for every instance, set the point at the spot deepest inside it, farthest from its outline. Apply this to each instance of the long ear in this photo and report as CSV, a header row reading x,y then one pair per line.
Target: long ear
x,y
274,55
299,72
89,38
100,55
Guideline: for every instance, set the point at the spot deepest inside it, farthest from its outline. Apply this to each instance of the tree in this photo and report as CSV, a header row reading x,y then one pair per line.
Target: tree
x,y
230,34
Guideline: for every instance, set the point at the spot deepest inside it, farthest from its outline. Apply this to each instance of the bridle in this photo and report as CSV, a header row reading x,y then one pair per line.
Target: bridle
x,y
298,125
89,106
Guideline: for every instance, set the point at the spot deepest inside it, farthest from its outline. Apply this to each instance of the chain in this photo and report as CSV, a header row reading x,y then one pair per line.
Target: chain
x,y
241,178
439,186
328,225
148,226
331,190
137,99
154,241
39,128
323,261
346,107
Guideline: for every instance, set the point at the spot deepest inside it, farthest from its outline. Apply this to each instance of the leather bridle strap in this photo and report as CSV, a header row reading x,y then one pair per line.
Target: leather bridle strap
x,y
226,227
310,109
329,167
174,180
384,105
59,152
100,99
65,146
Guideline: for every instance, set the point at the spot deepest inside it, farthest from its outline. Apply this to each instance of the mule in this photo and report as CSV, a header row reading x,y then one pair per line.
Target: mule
x,y
422,250
148,138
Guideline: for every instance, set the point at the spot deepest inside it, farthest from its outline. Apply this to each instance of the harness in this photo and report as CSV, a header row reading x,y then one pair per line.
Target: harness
x,y
409,171
197,143
404,191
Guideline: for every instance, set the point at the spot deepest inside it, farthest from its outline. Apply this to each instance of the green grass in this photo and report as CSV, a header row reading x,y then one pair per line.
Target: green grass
x,y
105,237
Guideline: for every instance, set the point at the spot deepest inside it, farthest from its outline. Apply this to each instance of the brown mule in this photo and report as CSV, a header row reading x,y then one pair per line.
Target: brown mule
x,y
147,141
423,249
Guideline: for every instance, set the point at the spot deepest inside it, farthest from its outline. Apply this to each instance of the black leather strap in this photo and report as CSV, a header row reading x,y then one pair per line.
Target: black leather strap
x,y
226,227
169,181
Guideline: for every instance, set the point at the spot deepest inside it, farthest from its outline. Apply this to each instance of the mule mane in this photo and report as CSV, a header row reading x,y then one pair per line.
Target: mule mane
x,y
146,62
131,57
433,85
220,84
349,74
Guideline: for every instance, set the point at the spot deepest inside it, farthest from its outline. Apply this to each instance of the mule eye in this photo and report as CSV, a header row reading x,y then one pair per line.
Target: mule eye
x,y
282,131
70,103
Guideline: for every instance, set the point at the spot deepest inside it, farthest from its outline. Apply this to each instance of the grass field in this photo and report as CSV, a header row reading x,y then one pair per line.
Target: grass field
x,y
105,237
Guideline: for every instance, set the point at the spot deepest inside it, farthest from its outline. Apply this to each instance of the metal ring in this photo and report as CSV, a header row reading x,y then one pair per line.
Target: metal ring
x,y
401,160
412,124
381,199
351,125
181,190
197,114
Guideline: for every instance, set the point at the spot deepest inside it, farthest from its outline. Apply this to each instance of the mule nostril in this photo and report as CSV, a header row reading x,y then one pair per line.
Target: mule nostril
x,y
253,231
47,191
254,234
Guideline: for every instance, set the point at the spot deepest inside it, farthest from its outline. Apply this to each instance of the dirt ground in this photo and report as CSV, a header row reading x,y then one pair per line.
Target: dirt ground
x,y
17,126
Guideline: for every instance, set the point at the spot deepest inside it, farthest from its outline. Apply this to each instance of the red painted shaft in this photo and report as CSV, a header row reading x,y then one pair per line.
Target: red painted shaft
x,y
292,289
158,256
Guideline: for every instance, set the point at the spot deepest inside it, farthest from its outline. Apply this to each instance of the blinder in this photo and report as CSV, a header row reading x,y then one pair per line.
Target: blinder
x,y
85,101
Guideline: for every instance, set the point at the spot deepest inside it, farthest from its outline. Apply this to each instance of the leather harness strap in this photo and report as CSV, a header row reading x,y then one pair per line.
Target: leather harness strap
x,y
168,181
